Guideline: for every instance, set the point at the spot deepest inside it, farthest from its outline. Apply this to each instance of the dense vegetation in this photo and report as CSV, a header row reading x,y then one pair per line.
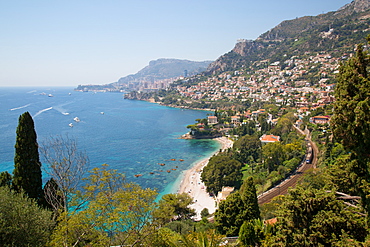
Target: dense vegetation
x,y
268,164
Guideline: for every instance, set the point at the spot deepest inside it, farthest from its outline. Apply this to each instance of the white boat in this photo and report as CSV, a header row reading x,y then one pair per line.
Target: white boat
x,y
77,119
102,113
50,95
65,113
70,125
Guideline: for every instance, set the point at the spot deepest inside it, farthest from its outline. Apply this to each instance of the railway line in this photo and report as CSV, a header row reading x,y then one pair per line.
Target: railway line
x,y
309,162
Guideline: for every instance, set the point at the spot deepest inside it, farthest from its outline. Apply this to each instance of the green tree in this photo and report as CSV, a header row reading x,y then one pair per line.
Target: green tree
x,y
27,167
173,207
253,232
273,155
6,179
221,171
204,213
311,217
22,221
238,207
284,124
246,147
249,197
107,211
351,120
198,239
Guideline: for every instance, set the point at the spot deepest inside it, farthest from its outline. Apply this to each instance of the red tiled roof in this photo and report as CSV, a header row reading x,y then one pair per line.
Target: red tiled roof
x,y
269,138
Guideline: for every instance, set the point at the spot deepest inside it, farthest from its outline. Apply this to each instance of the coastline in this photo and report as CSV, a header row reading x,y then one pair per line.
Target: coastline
x,y
192,184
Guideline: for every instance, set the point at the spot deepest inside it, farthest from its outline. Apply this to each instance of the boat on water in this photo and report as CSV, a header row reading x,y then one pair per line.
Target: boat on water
x,y
65,113
102,113
77,119
50,95
70,125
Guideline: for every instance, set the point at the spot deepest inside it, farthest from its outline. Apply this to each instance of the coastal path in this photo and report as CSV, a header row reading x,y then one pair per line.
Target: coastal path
x,y
291,181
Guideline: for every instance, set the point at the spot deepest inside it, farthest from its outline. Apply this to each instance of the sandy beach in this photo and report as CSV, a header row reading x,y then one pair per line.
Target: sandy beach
x,y
192,184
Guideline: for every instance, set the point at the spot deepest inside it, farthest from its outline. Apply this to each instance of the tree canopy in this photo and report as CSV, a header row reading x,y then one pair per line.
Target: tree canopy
x,y
107,206
222,171
22,221
351,120
311,217
173,207
238,207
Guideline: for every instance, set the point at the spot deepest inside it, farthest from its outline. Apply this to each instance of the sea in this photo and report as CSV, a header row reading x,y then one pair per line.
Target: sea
x,y
132,137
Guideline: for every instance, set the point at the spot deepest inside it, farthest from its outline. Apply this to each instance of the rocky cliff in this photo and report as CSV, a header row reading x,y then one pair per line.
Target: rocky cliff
x,y
334,31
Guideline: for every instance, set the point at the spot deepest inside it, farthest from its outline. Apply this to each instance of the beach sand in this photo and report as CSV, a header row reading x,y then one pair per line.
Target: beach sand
x,y
192,184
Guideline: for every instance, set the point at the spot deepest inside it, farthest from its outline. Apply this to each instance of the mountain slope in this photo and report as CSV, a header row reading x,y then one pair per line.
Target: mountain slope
x,y
156,72
165,69
336,31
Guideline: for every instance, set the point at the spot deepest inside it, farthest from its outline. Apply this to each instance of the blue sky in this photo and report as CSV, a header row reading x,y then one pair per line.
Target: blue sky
x,y
66,43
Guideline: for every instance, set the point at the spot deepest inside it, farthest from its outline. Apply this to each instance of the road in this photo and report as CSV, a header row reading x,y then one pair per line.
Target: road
x,y
291,181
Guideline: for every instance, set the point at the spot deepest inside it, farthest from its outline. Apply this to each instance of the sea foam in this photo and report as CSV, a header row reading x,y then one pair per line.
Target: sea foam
x,y
17,108
44,110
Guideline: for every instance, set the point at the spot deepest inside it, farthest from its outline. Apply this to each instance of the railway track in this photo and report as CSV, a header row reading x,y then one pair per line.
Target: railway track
x,y
291,181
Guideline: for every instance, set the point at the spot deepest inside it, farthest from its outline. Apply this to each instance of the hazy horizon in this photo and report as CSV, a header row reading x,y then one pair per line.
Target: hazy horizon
x,y
91,42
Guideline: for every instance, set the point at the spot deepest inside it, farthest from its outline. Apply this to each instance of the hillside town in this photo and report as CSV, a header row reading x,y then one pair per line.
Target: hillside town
x,y
304,82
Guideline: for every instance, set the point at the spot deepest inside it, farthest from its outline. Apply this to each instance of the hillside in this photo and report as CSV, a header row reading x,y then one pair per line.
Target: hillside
x,y
297,56
335,32
165,69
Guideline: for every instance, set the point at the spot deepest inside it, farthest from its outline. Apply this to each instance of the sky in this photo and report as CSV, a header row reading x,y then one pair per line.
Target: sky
x,y
72,42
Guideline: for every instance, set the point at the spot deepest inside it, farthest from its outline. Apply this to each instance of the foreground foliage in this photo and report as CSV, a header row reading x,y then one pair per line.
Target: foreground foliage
x,y
351,123
22,221
107,211
173,207
317,218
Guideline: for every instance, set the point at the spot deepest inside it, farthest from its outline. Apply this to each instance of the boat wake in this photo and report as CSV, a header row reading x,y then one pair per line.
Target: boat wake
x,y
17,108
44,110
60,108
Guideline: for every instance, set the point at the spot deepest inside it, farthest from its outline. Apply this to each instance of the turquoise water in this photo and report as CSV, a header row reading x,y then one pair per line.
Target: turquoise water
x,y
130,136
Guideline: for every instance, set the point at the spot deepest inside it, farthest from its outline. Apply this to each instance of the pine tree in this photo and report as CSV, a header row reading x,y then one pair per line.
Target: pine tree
x,y
248,195
238,207
27,166
351,120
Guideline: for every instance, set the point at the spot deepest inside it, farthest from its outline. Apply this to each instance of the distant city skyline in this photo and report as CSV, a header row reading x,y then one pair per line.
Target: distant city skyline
x,y
66,43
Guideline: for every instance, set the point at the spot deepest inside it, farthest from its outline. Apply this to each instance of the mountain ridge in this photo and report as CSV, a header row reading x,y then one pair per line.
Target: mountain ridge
x,y
327,31
166,68
159,73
